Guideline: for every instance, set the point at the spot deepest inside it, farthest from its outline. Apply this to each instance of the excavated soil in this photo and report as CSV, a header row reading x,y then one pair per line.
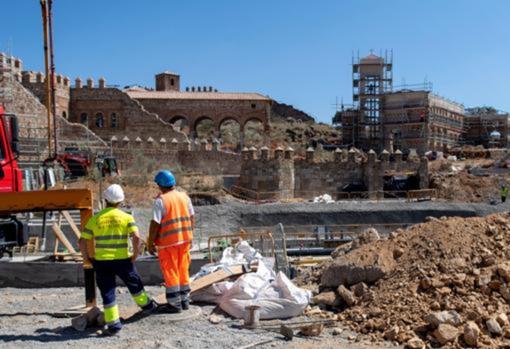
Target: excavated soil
x,y
458,266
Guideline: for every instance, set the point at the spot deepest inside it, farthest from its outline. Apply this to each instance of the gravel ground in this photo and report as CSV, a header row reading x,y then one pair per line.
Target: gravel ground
x,y
25,322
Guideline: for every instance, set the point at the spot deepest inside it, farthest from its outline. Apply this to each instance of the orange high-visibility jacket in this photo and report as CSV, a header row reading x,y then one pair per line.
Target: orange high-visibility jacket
x,y
176,224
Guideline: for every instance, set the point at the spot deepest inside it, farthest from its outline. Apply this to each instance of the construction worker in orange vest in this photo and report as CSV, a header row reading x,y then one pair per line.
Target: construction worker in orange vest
x,y
170,234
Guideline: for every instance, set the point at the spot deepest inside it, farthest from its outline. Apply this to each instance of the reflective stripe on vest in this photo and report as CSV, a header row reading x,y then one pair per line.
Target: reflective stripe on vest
x,y
176,225
112,229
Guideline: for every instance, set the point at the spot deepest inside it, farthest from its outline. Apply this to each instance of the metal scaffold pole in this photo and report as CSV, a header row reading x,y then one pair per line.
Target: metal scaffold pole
x,y
44,10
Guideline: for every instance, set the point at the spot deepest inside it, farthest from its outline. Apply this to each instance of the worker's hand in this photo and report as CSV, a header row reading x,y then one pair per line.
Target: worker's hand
x,y
151,248
133,257
87,263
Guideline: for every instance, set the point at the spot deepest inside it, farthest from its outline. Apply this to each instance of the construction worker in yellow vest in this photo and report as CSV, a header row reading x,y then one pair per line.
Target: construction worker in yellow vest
x,y
111,230
504,192
170,233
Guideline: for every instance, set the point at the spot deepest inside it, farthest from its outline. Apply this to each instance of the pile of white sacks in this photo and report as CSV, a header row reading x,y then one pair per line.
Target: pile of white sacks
x,y
274,293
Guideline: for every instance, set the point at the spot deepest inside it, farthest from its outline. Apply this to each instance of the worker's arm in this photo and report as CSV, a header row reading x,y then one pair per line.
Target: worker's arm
x,y
86,244
135,240
84,251
153,233
192,220
132,231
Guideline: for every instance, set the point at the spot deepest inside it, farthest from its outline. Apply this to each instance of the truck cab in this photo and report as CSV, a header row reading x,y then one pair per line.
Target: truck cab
x,y
10,174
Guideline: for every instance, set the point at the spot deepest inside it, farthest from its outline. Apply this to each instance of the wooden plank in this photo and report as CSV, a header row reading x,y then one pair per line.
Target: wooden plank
x,y
73,225
60,235
217,276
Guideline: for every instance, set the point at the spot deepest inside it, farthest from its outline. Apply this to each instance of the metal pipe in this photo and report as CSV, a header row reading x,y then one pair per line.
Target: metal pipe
x,y
44,10
53,89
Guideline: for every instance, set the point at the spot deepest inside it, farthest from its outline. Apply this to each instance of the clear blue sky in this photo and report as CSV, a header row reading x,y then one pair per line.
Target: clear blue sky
x,y
297,52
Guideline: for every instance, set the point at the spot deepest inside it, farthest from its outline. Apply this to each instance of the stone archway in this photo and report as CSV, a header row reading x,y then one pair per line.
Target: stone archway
x,y
180,123
254,132
230,133
204,127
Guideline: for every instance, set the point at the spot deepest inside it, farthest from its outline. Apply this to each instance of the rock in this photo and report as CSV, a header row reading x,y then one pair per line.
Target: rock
x,y
398,252
311,330
502,319
342,249
356,267
505,293
425,284
494,327
368,236
337,331
435,306
415,343
488,260
325,299
214,319
393,235
445,333
471,333
431,219
346,295
450,317
359,289
392,333
503,270
313,311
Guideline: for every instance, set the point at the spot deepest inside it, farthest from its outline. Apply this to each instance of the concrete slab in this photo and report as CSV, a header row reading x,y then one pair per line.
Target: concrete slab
x,y
70,274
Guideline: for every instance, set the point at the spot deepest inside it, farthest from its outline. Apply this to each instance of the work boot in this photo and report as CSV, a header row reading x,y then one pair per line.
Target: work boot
x,y
150,307
167,309
185,305
110,331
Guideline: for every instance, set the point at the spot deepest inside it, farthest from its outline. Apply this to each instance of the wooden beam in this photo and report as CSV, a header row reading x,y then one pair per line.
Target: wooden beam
x,y
62,238
70,220
51,200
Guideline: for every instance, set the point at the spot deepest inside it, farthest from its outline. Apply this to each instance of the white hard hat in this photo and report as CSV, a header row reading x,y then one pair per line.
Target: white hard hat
x,y
114,194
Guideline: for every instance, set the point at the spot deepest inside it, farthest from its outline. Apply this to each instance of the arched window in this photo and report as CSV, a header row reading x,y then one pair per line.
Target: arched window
x,y
99,120
84,119
64,114
114,121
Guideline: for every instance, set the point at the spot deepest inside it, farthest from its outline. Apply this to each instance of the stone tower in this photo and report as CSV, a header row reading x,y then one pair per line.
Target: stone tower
x,y
168,81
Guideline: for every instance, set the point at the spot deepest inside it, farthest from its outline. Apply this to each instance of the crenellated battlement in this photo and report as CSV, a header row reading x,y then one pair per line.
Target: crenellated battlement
x,y
10,66
271,172
29,77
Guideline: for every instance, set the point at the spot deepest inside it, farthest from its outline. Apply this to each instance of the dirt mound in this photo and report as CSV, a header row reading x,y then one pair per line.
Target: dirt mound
x,y
445,282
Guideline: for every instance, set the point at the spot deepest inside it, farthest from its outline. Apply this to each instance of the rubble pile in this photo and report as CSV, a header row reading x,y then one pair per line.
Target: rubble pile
x,y
445,282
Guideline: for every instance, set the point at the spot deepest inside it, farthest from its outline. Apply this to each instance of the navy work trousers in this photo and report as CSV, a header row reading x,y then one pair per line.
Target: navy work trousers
x,y
105,277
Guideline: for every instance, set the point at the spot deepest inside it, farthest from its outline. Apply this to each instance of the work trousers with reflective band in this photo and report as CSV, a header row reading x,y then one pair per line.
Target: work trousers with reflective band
x,y
174,262
106,271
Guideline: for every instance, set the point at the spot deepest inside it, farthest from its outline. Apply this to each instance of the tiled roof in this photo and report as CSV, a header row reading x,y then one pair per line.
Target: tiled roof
x,y
196,95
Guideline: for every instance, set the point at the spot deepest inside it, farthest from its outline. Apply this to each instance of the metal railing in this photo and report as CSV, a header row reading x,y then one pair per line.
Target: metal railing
x,y
409,195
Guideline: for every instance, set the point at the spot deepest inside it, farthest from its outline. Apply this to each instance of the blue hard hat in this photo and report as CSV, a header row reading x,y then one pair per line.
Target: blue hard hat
x,y
165,179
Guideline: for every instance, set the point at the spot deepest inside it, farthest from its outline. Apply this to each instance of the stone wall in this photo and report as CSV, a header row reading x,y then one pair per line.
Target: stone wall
x,y
283,176
121,116
36,83
186,156
32,119
193,111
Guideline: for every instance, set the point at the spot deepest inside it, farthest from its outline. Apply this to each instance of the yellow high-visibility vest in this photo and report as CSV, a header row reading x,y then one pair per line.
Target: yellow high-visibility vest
x,y
111,230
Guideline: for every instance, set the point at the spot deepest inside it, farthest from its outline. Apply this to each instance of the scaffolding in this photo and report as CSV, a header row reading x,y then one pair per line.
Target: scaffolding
x,y
372,77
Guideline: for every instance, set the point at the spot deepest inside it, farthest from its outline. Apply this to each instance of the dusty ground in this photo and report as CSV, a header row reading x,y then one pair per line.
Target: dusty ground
x,y
25,322
456,265
471,180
